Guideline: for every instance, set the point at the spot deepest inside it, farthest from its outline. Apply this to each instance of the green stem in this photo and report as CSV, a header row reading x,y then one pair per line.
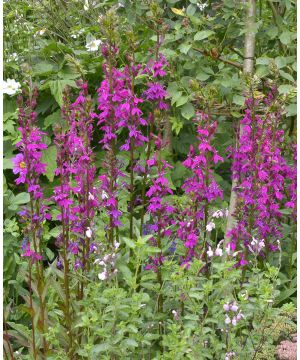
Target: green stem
x,y
32,312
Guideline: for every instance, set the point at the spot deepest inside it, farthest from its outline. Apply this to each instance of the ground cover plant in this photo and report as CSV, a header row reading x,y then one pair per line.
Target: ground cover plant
x,y
149,179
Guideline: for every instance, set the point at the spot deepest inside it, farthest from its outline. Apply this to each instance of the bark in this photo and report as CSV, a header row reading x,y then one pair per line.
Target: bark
x,y
248,66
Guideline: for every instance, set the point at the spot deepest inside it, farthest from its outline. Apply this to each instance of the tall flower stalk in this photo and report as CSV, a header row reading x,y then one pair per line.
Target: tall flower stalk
x,y
158,208
63,198
201,189
262,173
29,167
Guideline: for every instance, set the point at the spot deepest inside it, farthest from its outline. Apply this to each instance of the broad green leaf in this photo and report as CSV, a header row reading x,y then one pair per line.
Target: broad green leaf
x,y
200,35
97,349
7,164
21,198
287,37
57,87
49,157
53,118
285,295
175,97
285,89
286,76
130,343
187,111
202,76
44,68
291,110
130,243
263,60
182,100
184,48
191,9
238,100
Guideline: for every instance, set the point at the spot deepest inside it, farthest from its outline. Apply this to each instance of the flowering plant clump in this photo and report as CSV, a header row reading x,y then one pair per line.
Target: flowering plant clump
x,y
262,172
201,189
29,167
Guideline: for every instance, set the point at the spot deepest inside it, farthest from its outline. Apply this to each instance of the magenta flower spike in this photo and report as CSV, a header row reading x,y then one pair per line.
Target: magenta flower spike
x,y
266,181
201,189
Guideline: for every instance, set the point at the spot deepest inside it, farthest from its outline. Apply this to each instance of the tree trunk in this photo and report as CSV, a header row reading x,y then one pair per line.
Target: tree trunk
x,y
247,69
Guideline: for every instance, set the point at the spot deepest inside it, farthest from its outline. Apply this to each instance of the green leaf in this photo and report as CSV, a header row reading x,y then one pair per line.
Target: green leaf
x,y
130,343
280,61
49,157
43,68
191,9
175,97
187,111
291,110
238,100
182,100
50,254
272,32
7,164
97,349
285,89
286,76
287,37
202,76
57,87
285,295
200,35
263,60
53,118
184,48
22,198
130,243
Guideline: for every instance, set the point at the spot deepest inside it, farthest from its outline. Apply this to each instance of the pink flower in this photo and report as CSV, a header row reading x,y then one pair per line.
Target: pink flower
x,y
20,168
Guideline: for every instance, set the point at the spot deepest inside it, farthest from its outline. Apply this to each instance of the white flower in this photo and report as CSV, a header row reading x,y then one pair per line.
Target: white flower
x,y
102,276
41,32
202,6
86,5
89,232
210,253
227,320
210,226
104,195
91,196
226,307
74,36
239,316
234,307
93,45
218,252
261,245
10,86
116,244
217,214
227,249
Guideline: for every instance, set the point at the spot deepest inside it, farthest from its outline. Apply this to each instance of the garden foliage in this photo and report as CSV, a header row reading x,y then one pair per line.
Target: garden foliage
x,y
124,126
